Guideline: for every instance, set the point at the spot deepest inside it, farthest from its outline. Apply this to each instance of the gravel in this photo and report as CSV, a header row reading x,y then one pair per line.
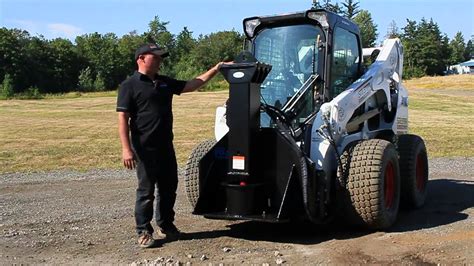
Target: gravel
x,y
457,166
75,217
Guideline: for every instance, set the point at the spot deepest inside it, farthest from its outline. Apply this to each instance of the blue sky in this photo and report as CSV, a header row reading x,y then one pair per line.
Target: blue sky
x,y
69,18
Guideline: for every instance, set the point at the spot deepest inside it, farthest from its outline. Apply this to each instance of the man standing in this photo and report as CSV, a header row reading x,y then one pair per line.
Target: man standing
x,y
144,109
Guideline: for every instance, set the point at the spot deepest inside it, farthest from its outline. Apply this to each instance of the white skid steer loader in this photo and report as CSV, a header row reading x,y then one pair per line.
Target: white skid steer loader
x,y
307,132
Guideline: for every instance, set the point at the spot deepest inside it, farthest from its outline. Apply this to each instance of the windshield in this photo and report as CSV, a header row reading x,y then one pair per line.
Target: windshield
x,y
291,52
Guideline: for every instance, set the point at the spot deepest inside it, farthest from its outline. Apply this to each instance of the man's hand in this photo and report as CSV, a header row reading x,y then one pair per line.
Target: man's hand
x,y
128,159
219,65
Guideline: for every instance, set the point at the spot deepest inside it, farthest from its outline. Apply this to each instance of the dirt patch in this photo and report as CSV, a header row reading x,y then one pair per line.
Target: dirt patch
x,y
69,217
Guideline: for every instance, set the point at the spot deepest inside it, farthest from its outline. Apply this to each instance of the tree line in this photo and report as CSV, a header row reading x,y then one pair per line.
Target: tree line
x,y
96,62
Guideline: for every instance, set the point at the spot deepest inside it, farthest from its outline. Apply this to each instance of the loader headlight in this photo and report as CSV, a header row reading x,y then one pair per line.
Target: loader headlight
x,y
319,17
250,26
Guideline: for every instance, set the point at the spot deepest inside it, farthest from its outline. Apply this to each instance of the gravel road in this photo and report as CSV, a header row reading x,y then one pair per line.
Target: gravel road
x,y
71,217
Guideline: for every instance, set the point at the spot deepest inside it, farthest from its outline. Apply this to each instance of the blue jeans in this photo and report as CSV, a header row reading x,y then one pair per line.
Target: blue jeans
x,y
157,169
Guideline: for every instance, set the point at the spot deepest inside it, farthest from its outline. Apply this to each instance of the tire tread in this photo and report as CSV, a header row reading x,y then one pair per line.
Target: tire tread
x,y
191,171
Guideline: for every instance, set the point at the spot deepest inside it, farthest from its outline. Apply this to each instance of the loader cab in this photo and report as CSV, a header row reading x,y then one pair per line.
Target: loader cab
x,y
301,46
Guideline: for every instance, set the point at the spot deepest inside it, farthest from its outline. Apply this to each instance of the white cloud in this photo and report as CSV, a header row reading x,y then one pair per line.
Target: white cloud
x,y
64,30
48,30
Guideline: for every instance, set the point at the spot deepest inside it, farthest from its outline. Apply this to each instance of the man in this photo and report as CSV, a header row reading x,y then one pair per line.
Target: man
x,y
144,108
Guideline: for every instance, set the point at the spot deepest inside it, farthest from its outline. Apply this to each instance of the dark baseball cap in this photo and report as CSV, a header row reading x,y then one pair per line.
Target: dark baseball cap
x,y
151,48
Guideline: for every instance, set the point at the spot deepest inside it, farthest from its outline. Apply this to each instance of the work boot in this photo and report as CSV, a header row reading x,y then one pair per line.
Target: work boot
x,y
169,232
145,240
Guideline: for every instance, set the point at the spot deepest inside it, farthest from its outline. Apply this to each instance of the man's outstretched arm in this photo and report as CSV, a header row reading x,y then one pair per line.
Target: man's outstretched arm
x,y
202,79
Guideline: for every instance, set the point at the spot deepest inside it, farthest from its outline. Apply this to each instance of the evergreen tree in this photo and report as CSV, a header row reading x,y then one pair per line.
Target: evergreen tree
x,y
469,52
445,51
392,31
326,4
411,46
351,8
336,8
368,29
185,44
458,49
158,33
431,55
321,4
426,51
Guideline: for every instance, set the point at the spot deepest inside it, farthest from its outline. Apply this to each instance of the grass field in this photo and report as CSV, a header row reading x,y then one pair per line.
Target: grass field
x,y
81,133
453,82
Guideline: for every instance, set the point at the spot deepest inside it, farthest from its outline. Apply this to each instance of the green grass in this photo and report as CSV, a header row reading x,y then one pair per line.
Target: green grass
x,y
75,94
441,110
446,122
456,82
69,132
81,133
218,85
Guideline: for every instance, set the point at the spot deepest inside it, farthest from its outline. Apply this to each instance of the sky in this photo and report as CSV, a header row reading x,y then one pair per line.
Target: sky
x,y
70,18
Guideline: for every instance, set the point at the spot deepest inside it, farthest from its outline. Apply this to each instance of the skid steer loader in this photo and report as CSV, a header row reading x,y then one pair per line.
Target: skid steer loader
x,y
308,132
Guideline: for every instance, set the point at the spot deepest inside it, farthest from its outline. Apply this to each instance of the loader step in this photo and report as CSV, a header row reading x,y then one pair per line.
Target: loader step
x,y
268,218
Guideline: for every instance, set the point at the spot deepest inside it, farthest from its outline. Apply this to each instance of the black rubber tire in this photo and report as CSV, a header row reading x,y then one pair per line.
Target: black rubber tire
x,y
413,171
191,171
369,184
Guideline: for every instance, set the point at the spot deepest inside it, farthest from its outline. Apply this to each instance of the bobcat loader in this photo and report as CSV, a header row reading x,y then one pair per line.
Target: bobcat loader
x,y
308,132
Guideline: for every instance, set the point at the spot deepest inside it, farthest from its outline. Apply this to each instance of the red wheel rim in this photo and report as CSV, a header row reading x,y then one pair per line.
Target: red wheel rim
x,y
389,185
420,173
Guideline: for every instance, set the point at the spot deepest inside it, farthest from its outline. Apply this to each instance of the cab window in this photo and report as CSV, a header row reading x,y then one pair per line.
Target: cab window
x,y
345,60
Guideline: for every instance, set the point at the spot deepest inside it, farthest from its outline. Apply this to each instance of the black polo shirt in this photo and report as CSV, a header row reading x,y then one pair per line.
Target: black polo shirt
x,y
149,105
